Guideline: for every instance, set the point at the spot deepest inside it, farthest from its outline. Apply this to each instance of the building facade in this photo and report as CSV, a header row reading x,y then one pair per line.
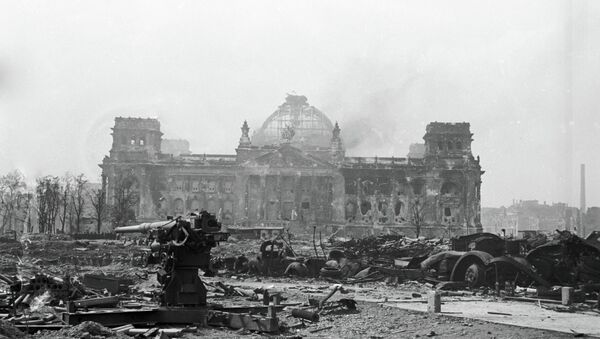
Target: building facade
x,y
294,170
531,215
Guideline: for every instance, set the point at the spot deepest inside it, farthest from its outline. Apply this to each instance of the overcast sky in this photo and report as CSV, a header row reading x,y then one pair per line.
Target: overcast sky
x,y
526,75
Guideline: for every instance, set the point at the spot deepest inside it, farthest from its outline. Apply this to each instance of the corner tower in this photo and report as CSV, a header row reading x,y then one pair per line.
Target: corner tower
x,y
455,176
135,139
448,139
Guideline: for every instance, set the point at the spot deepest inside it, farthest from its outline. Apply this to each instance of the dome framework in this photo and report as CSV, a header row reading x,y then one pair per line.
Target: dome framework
x,y
297,122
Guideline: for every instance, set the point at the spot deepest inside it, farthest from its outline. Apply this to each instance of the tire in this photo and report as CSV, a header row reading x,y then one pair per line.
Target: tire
x,y
474,275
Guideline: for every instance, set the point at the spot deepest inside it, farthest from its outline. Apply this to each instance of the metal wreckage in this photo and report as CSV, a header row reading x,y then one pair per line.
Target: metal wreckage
x,y
473,261
486,259
181,247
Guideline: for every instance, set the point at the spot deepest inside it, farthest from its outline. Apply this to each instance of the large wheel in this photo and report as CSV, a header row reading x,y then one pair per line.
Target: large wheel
x,y
471,268
474,275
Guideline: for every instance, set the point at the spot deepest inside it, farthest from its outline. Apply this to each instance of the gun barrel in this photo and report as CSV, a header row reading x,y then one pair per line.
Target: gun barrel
x,y
145,227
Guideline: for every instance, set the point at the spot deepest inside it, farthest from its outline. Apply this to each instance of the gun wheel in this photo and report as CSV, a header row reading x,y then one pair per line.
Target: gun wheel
x,y
474,275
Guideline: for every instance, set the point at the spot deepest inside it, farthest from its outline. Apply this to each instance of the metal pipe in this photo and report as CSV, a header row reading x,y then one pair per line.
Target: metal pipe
x,y
305,314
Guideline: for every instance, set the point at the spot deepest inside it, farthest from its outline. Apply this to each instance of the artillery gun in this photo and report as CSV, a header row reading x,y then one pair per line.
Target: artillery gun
x,y
181,247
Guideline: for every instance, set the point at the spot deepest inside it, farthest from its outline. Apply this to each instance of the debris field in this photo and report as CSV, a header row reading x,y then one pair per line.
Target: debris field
x,y
292,285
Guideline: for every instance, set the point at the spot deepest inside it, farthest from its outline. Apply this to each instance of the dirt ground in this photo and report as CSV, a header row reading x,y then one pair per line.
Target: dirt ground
x,y
376,321
373,318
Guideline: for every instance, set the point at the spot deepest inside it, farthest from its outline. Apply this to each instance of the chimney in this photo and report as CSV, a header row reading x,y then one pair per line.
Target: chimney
x,y
582,201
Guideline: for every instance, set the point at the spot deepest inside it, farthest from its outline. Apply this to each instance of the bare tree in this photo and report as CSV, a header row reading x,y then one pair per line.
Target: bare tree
x,y
98,201
28,204
12,198
48,191
78,199
417,214
64,202
125,199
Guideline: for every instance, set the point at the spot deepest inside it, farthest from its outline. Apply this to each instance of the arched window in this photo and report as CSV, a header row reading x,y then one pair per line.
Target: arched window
x,y
450,146
458,145
382,207
440,146
398,208
142,142
365,207
132,142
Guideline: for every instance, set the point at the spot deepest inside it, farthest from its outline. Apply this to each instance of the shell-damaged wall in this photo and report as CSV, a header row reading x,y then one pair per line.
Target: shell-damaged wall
x,y
387,197
438,194
434,194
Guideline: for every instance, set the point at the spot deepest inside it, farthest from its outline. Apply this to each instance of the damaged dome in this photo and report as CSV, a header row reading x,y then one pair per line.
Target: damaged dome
x,y
297,122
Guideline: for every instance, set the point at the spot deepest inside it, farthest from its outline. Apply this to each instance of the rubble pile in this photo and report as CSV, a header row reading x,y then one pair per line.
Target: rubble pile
x,y
87,329
85,253
49,285
352,261
52,272
10,247
10,252
251,247
236,247
391,246
8,330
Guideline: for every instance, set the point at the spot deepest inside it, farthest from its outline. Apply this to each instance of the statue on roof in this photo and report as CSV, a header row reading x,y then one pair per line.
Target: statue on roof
x,y
245,139
288,133
336,132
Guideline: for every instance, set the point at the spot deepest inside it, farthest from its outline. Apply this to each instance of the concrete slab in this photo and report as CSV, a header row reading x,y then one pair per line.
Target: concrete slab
x,y
521,314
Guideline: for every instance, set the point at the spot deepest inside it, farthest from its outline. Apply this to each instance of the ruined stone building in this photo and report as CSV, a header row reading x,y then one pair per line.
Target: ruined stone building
x,y
530,215
294,170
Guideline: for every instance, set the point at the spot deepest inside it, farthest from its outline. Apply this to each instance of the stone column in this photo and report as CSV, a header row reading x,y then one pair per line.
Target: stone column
x,y
263,203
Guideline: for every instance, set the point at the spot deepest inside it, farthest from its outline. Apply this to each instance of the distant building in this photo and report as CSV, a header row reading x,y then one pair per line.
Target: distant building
x,y
176,147
592,219
530,215
294,170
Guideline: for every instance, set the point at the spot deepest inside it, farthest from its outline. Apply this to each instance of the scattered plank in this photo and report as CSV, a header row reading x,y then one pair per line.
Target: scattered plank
x,y
498,313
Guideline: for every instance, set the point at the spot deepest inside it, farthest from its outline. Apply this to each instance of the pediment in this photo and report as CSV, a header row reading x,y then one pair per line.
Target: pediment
x,y
287,156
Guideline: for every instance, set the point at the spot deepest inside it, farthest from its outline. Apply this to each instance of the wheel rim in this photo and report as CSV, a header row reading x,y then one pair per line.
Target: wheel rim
x,y
472,275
